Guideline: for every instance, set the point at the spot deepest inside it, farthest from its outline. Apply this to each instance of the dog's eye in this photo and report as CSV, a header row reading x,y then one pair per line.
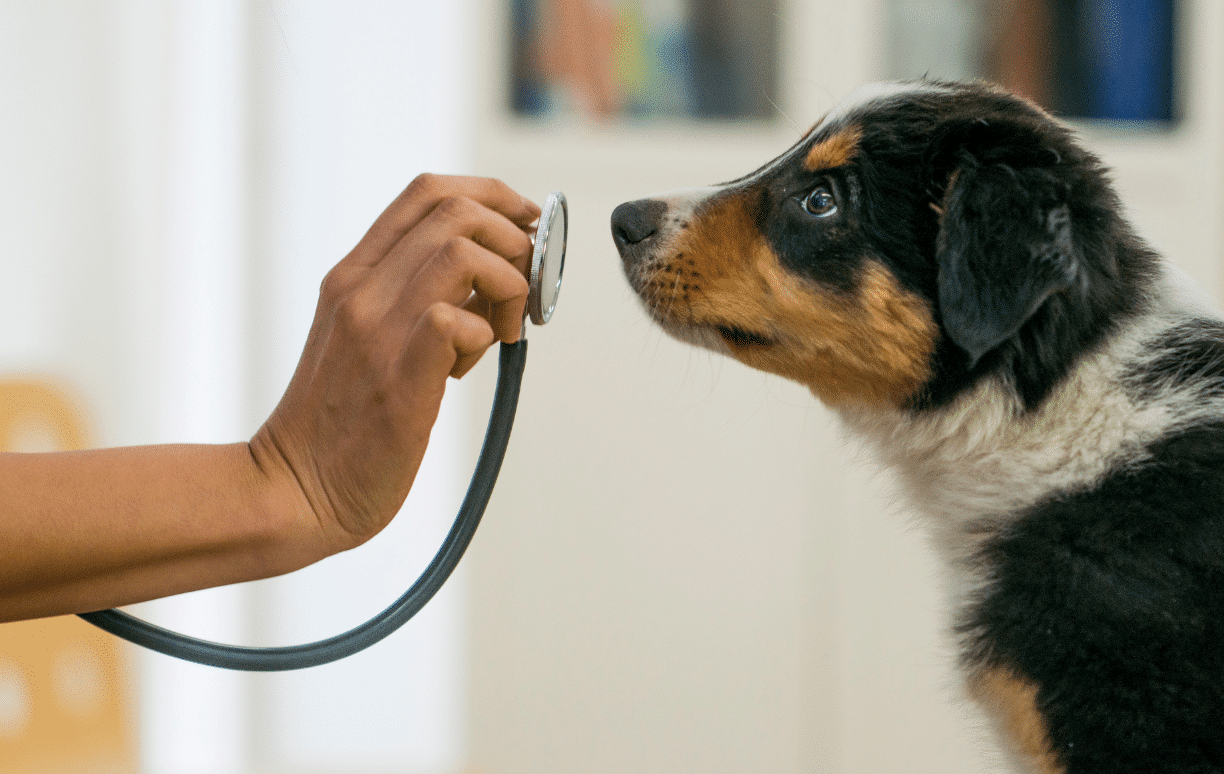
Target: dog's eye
x,y
820,202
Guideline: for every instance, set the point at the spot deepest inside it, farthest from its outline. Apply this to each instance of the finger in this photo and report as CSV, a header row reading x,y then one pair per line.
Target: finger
x,y
506,321
473,345
446,342
460,216
423,195
453,226
477,305
465,274
457,272
466,363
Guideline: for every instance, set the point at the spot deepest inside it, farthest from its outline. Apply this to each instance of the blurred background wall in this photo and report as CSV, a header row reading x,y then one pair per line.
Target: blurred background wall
x,y
683,568
178,176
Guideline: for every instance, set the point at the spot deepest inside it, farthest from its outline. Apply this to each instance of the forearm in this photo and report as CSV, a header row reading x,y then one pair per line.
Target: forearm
x,y
83,531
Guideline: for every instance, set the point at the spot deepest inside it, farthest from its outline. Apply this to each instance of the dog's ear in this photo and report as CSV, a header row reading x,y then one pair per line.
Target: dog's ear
x,y
1006,241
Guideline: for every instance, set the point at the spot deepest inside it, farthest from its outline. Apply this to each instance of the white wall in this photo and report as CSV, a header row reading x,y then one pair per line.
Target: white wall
x,y
175,179
357,99
55,234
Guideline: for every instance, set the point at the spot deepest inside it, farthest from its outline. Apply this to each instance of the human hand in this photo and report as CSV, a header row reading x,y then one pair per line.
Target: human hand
x,y
434,283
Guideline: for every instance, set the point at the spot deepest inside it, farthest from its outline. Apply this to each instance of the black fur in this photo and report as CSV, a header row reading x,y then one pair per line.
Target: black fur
x,y
1191,353
1020,221
1030,266
1034,267
1111,600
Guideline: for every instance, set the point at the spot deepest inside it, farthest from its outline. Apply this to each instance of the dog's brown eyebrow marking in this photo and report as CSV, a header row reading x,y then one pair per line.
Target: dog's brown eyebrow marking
x,y
836,151
1013,703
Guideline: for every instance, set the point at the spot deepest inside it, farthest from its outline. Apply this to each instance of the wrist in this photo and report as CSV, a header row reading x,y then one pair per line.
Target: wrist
x,y
294,526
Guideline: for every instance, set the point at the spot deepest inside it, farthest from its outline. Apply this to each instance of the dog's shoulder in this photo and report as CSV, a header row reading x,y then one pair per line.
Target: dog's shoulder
x,y
1108,597
1109,602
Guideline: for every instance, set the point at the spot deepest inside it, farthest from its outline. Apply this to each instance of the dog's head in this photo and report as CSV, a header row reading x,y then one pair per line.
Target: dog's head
x,y
920,238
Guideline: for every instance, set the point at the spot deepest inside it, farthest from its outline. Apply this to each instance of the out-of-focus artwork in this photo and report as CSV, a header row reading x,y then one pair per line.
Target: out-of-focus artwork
x,y
1113,60
642,59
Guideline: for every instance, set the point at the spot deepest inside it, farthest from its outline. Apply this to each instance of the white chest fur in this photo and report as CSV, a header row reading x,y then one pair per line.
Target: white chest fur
x,y
981,461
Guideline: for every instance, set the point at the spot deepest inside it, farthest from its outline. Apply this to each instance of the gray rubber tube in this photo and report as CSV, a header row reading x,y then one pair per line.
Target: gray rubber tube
x,y
512,361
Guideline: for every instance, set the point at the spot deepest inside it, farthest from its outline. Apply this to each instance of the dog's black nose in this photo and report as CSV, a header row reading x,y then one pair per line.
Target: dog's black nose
x,y
635,222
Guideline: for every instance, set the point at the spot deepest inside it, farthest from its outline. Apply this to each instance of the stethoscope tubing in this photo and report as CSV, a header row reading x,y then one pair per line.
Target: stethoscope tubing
x,y
511,363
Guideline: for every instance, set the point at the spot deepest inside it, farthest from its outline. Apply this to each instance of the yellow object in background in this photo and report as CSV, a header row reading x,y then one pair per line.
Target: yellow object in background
x,y
64,703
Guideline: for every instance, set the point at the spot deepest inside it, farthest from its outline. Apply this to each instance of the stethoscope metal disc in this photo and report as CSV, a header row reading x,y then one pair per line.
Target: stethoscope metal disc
x,y
548,258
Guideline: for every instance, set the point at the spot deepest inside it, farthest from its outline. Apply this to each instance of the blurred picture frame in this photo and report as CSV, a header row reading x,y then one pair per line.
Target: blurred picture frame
x,y
1110,61
638,60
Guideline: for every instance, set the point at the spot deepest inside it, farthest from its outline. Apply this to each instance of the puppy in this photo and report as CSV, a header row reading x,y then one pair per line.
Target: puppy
x,y
949,270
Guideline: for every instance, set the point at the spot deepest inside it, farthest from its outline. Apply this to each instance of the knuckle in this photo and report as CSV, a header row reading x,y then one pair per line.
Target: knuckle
x,y
456,253
456,208
425,185
441,318
458,247
334,286
496,187
358,316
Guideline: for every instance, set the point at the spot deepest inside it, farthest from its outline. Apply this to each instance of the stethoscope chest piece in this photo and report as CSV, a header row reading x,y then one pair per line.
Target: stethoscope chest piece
x,y
548,258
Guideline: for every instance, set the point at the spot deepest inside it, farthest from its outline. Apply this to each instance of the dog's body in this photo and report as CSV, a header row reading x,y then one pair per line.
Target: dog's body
x,y
944,266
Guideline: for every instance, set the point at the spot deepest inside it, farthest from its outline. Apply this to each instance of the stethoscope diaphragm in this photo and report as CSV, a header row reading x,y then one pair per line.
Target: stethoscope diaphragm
x,y
548,258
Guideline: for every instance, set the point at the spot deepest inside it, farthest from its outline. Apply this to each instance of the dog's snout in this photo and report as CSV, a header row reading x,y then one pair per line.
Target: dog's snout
x,y
635,222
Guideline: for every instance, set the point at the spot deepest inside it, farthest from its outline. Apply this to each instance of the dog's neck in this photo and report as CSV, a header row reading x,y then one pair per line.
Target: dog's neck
x,y
973,466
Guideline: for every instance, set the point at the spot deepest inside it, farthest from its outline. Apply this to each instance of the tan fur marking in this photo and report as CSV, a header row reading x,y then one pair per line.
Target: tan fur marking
x,y
872,345
833,152
1012,702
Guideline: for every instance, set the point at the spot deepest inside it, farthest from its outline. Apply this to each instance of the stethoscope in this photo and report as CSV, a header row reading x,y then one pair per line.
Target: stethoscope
x,y
547,263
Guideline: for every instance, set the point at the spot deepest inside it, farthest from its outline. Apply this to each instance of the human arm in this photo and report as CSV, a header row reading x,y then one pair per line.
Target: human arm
x,y
435,281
